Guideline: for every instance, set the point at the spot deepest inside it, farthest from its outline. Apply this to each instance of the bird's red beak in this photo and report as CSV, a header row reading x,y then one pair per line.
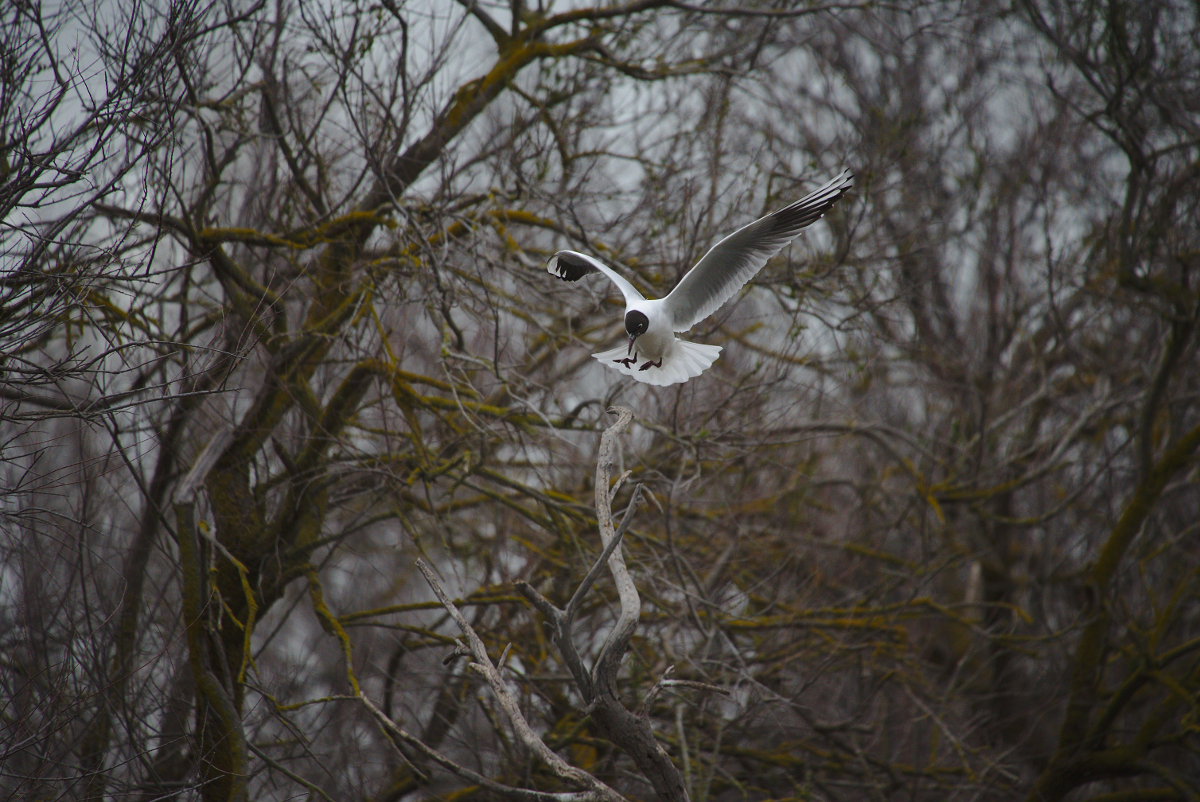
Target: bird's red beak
x,y
632,337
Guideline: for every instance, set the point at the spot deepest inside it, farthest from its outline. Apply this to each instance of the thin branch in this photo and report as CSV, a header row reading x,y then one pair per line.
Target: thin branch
x,y
609,548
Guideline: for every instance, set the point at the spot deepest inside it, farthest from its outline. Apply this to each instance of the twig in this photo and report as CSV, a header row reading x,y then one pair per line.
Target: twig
x,y
644,708
664,682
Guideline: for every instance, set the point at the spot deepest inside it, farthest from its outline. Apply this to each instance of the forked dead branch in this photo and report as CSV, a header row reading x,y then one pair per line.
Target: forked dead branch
x,y
631,733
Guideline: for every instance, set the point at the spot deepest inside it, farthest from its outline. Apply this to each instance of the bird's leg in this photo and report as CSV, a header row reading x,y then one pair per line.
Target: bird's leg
x,y
650,364
627,360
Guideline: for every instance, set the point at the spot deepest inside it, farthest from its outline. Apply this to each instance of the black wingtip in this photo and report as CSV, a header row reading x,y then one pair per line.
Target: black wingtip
x,y
568,267
812,207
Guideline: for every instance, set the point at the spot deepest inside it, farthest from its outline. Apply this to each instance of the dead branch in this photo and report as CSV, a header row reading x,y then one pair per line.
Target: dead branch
x,y
595,789
632,733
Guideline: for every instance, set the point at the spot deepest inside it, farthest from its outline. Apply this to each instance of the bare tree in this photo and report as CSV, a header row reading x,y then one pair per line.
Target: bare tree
x,y
276,326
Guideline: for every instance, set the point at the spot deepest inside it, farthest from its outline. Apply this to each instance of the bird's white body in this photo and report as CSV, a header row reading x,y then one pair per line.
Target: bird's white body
x,y
677,360
659,335
654,354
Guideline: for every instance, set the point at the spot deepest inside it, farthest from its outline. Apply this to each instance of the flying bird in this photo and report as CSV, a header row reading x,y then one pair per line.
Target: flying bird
x,y
654,354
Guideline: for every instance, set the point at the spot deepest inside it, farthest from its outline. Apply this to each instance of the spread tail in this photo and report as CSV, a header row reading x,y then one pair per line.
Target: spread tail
x,y
682,361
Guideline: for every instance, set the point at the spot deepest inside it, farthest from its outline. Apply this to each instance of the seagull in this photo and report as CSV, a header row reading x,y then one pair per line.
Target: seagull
x,y
654,354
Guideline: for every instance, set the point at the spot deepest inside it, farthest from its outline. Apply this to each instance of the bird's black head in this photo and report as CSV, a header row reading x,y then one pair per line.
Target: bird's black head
x,y
636,323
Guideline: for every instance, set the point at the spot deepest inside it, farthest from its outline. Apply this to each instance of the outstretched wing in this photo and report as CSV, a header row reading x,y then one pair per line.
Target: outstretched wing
x,y
572,266
734,260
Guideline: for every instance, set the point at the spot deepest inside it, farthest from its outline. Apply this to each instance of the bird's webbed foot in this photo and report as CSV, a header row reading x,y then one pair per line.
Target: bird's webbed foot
x,y
627,361
650,364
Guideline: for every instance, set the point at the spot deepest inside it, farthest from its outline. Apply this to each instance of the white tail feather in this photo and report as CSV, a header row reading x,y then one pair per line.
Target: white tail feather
x,y
682,361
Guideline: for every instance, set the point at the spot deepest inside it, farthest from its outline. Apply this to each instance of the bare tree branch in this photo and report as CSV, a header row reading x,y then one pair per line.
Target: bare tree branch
x,y
482,663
